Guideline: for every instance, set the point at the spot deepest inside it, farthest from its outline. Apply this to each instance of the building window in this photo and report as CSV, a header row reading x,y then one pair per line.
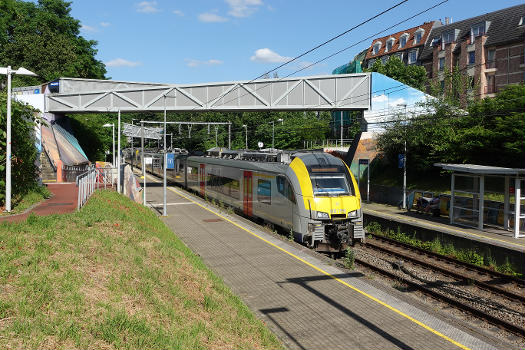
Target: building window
x,y
491,59
389,44
491,85
403,41
435,41
377,47
371,63
384,59
476,30
441,64
447,38
471,58
418,35
442,86
400,56
412,57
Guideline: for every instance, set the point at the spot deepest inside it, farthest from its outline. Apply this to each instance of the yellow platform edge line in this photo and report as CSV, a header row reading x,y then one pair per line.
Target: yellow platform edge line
x,y
399,312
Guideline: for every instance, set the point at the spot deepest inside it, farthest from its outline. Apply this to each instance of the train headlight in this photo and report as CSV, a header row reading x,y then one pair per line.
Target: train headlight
x,y
321,215
353,214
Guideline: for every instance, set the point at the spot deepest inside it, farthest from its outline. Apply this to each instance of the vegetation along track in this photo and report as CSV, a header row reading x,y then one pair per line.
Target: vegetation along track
x,y
486,294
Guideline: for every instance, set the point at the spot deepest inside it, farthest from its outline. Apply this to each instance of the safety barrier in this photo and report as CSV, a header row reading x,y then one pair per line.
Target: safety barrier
x,y
91,180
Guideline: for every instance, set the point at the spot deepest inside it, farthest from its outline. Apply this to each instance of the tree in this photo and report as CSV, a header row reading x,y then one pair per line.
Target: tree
x,y
44,38
24,153
412,75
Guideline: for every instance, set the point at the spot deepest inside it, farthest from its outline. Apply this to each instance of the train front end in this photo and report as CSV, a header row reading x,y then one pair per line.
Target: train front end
x,y
329,203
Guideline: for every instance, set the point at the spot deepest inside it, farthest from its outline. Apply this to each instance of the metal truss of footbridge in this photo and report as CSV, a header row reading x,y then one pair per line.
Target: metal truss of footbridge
x,y
316,93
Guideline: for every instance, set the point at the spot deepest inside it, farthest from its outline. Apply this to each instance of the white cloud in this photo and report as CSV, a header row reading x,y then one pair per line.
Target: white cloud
x,y
268,56
243,8
379,98
211,18
105,24
120,62
178,12
190,62
399,103
87,28
147,7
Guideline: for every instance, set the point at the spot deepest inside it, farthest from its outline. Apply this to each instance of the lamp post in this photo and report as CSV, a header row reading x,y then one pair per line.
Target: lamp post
x,y
8,71
246,136
112,126
273,132
405,160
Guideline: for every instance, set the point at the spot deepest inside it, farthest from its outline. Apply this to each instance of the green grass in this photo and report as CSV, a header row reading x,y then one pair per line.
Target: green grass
x,y
470,256
114,276
21,203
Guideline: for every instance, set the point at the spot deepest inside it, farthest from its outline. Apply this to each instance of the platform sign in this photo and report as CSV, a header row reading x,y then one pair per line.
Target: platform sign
x,y
170,161
148,160
400,161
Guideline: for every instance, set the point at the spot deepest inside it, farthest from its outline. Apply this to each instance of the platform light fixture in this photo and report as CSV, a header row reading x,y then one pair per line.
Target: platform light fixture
x,y
111,125
8,71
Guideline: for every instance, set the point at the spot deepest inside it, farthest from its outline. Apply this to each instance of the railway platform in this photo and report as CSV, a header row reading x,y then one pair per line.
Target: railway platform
x,y
303,298
498,243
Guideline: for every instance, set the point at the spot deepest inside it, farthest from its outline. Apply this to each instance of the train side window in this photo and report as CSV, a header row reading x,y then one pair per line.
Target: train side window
x,y
264,191
281,180
289,192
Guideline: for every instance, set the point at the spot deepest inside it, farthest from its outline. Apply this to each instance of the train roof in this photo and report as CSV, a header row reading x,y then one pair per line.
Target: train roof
x,y
272,167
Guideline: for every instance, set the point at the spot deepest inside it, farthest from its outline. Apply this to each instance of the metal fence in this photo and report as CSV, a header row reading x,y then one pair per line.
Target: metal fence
x,y
93,179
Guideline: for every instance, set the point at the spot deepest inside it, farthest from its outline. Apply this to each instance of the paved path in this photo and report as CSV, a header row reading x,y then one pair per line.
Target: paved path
x,y
307,302
63,200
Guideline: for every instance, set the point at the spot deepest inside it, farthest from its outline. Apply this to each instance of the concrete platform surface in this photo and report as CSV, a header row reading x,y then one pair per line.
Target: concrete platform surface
x,y
492,236
306,301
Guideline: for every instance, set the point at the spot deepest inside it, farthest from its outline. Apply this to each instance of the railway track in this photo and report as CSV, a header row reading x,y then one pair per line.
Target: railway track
x,y
493,281
498,299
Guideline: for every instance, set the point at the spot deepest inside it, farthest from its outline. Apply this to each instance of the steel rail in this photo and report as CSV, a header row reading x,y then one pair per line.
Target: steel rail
x,y
479,269
478,313
484,285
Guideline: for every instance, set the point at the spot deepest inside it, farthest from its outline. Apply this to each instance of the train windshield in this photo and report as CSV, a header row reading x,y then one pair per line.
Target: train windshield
x,y
330,185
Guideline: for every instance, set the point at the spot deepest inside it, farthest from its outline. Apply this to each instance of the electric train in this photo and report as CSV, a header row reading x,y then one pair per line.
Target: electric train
x,y
311,194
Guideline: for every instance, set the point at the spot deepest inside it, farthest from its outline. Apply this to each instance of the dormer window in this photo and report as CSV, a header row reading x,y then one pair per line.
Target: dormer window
x,y
477,30
522,21
418,35
376,48
389,44
403,40
435,41
447,38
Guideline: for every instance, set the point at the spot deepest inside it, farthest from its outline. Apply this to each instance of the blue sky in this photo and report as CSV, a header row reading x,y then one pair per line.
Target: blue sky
x,y
199,41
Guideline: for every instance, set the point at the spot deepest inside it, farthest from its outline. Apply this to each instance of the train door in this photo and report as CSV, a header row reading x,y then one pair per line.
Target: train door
x,y
202,178
286,201
247,195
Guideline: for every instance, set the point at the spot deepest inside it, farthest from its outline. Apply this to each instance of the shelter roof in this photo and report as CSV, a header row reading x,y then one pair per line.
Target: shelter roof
x,y
481,169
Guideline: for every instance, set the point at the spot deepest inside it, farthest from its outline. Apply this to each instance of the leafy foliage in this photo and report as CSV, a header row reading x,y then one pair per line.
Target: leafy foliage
x,y
489,132
24,154
44,38
412,75
296,128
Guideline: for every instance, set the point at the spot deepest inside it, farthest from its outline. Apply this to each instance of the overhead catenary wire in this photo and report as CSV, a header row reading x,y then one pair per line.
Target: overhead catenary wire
x,y
324,43
338,52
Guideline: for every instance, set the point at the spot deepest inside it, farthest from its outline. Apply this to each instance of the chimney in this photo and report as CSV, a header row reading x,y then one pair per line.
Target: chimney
x,y
447,20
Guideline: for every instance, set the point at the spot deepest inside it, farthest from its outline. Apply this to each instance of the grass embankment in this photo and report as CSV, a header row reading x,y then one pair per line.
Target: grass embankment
x,y
21,203
114,276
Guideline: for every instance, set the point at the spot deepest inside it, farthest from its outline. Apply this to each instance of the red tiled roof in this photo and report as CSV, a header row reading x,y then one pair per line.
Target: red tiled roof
x,y
427,27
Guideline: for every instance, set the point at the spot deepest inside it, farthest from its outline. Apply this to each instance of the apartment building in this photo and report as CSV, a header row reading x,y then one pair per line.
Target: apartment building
x,y
489,48
407,45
